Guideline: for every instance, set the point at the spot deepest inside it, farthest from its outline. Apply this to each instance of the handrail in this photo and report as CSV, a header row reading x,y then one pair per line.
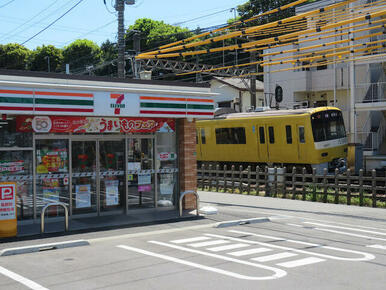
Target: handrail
x,y
44,211
188,192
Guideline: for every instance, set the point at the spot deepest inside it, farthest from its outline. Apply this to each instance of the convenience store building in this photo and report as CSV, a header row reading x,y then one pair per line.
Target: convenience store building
x,y
100,146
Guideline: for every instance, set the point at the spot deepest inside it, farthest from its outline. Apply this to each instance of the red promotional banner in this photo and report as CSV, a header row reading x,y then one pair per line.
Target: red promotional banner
x,y
54,124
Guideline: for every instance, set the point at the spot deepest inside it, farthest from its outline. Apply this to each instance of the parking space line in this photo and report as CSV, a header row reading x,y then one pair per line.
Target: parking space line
x,y
301,262
29,283
363,256
191,240
350,234
209,243
249,252
228,247
278,273
274,257
377,247
346,228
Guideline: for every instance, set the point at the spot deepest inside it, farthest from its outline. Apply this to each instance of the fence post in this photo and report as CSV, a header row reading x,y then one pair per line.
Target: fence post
x,y
257,180
304,183
210,177
217,176
293,182
233,178
325,187
225,178
275,182
348,186
373,186
241,179
314,183
360,187
336,186
267,189
203,176
249,180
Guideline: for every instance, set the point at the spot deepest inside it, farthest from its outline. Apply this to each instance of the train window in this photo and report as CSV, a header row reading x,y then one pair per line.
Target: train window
x,y
262,135
203,139
271,134
302,138
288,132
327,125
230,136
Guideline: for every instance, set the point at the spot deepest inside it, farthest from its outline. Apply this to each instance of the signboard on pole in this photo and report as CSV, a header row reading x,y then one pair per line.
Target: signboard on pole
x,y
8,219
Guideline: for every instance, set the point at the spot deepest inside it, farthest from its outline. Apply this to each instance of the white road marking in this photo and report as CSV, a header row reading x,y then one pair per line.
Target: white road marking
x,y
377,247
347,228
227,247
29,283
191,240
364,256
299,226
350,234
249,252
209,243
278,273
301,262
274,257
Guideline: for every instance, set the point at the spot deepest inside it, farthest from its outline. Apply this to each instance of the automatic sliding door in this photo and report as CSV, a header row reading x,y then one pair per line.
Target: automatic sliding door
x,y
112,174
84,198
140,162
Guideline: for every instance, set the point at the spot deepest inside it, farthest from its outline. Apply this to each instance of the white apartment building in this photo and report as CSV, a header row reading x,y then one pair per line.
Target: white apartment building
x,y
356,86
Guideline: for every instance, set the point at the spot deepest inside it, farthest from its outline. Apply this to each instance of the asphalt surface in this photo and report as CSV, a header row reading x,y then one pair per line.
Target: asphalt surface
x,y
252,243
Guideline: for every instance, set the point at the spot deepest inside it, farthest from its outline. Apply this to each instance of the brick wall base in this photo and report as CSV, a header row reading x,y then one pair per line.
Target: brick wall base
x,y
187,160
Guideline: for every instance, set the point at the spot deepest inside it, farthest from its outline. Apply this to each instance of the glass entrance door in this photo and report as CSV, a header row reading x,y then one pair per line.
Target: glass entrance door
x,y
84,181
140,168
112,175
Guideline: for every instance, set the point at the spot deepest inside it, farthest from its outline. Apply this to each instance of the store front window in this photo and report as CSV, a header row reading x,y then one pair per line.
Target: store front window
x,y
166,168
52,179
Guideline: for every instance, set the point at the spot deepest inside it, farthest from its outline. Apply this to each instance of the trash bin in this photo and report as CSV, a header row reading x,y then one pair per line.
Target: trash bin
x,y
280,179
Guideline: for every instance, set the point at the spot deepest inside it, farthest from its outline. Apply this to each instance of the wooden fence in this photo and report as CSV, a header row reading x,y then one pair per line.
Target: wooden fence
x,y
362,190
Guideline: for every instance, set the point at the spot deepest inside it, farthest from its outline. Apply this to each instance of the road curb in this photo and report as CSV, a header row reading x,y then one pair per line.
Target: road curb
x,y
43,247
242,222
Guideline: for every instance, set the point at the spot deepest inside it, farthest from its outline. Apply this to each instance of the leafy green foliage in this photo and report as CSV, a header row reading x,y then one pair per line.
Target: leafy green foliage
x,y
42,55
155,33
82,53
109,55
13,56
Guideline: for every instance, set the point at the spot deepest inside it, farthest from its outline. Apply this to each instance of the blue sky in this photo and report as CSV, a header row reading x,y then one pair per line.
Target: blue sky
x,y
21,19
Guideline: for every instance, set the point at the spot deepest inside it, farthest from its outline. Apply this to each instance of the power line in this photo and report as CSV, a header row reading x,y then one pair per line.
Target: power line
x,y
7,3
52,23
200,17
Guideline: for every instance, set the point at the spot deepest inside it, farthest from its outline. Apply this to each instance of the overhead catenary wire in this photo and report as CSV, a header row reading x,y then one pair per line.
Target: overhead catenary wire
x,y
6,4
53,22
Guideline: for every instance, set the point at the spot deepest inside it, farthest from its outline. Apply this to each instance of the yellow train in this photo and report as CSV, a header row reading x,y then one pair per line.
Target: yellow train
x,y
312,137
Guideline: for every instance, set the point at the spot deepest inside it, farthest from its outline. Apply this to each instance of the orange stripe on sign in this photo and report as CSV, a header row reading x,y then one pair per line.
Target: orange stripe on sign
x,y
16,92
64,94
115,96
175,99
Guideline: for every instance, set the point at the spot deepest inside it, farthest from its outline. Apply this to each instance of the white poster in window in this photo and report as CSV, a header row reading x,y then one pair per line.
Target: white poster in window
x,y
134,166
83,196
144,178
166,189
166,184
112,196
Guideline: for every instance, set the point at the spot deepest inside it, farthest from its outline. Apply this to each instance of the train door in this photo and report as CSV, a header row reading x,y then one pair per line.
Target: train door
x,y
262,144
302,150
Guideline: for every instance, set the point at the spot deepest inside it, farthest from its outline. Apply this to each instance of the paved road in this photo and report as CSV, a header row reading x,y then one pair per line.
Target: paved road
x,y
282,244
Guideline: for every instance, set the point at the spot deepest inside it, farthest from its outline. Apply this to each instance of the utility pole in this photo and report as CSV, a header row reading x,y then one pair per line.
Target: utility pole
x,y
120,7
253,80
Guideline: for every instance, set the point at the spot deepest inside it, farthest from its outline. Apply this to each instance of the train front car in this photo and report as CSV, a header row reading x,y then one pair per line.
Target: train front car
x,y
330,140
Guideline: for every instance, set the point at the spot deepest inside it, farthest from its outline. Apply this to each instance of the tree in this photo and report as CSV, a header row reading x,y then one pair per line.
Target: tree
x,y
82,53
42,56
13,56
109,56
154,33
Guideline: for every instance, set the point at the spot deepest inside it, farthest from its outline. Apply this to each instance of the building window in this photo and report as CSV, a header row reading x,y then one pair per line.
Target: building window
x,y
13,134
262,135
321,65
203,139
230,136
288,132
271,134
224,104
301,135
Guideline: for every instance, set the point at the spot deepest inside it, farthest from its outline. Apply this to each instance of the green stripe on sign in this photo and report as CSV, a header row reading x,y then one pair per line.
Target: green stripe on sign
x,y
16,100
202,107
64,102
162,105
